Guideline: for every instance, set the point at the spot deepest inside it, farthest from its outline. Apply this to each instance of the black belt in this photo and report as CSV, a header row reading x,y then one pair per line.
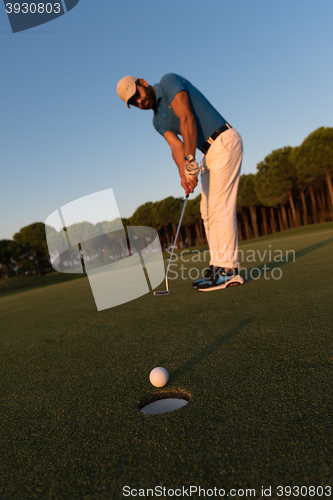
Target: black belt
x,y
212,138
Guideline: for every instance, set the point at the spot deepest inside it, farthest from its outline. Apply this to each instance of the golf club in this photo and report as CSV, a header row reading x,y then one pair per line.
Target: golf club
x,y
167,291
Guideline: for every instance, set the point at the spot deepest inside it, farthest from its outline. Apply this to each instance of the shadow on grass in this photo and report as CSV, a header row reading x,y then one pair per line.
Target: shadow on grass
x,y
197,358
270,266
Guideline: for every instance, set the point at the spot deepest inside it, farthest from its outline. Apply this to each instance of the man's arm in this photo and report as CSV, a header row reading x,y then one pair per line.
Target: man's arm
x,y
188,128
178,155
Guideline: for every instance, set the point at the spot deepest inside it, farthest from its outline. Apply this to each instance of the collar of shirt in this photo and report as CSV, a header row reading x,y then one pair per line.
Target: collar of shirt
x,y
158,91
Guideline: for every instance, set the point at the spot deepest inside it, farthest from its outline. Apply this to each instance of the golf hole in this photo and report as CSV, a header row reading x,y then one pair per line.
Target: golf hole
x,y
163,402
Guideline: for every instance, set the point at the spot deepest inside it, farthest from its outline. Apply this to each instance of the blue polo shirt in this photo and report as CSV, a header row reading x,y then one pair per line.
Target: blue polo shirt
x,y
206,117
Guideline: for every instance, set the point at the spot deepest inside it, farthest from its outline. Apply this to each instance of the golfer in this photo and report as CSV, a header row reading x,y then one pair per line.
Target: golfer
x,y
181,110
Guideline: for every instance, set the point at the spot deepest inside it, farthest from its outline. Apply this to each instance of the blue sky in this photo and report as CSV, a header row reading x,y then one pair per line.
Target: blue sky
x,y
264,64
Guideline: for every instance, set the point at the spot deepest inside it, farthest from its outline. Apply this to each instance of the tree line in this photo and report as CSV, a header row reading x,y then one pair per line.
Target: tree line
x,y
292,187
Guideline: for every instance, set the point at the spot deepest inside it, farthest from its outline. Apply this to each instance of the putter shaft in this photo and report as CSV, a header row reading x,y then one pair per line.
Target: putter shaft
x,y
174,243
167,292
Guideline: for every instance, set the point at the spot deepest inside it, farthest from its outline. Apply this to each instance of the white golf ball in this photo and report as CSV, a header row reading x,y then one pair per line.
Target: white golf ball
x,y
159,376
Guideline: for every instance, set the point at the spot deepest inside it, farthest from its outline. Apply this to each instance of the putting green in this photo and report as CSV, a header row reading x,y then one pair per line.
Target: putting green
x,y
255,359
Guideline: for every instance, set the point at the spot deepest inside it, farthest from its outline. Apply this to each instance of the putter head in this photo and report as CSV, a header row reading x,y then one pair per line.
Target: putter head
x,y
163,292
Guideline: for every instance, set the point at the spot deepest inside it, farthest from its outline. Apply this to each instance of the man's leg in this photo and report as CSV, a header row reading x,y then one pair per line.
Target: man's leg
x,y
205,178
220,179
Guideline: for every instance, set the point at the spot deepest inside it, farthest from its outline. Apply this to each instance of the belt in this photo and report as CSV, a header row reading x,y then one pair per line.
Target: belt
x,y
212,138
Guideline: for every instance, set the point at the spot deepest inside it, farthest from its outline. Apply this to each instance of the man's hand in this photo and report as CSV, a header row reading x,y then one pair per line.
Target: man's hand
x,y
188,185
192,170
177,149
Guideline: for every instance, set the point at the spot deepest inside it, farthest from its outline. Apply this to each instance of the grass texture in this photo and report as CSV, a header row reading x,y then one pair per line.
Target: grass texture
x,y
256,361
17,283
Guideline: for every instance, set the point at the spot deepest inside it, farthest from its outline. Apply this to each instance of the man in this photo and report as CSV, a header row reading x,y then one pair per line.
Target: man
x,y
181,110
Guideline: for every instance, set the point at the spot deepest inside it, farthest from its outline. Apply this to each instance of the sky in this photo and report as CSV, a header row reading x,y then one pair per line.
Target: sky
x,y
265,65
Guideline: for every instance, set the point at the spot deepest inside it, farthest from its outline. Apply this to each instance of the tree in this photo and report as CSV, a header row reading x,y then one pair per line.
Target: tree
x,y
114,241
144,215
301,184
10,252
247,198
33,244
166,214
199,227
191,217
274,183
314,159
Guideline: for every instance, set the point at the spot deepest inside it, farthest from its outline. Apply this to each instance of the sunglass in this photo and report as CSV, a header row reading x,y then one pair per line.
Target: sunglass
x,y
134,98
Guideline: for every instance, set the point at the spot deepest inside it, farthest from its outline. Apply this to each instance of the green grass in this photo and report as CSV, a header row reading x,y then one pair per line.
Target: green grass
x,y
256,361
18,283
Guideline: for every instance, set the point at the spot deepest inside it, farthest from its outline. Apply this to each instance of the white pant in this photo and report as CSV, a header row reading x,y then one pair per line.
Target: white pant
x,y
220,171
